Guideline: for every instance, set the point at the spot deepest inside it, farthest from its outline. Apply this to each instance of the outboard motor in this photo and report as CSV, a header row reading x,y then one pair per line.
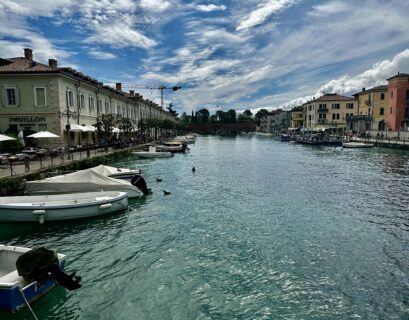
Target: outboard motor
x,y
42,264
140,183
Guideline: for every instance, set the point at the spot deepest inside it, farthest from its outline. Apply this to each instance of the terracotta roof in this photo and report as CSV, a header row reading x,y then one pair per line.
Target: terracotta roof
x,y
16,65
332,97
378,88
399,75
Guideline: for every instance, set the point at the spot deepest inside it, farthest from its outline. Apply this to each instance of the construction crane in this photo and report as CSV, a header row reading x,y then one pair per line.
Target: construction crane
x,y
161,88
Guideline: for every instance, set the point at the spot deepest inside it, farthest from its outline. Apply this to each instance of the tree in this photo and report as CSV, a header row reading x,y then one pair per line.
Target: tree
x,y
104,126
231,116
260,114
184,118
203,116
171,110
126,125
247,113
246,116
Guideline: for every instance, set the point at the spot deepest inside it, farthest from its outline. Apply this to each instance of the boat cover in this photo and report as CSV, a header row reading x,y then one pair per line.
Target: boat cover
x,y
80,181
107,170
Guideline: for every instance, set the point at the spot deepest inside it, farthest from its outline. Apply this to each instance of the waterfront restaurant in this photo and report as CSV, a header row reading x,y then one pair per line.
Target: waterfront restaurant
x,y
38,97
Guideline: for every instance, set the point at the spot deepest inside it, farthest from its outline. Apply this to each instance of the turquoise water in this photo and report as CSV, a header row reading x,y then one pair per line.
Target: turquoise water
x,y
261,230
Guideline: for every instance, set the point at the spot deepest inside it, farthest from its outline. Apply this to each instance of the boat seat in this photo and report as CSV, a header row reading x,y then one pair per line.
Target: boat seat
x,y
10,277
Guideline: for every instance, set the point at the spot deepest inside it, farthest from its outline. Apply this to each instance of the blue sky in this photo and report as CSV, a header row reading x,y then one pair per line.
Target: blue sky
x,y
225,54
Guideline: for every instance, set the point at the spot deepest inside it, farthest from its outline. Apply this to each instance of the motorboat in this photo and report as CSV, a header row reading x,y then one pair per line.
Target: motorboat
x,y
42,208
116,173
81,181
25,275
357,144
173,148
284,138
152,153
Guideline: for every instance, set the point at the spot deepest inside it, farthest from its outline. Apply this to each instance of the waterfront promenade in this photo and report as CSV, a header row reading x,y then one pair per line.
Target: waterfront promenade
x,y
19,168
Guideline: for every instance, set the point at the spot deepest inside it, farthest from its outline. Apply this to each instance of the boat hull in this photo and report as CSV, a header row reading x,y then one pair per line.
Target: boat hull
x,y
356,145
54,208
12,286
142,154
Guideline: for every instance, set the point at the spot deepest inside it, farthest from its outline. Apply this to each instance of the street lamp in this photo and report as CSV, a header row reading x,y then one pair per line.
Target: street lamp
x,y
68,114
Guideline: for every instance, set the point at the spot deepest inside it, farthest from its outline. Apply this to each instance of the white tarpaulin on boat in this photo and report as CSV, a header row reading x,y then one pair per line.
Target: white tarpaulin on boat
x,y
107,170
80,181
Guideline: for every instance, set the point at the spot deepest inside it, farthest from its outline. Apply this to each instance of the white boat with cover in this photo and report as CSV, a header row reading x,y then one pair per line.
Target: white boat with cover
x,y
152,153
116,173
69,206
81,181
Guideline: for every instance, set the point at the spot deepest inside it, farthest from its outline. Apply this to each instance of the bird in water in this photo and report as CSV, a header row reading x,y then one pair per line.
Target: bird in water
x,y
158,180
166,192
193,169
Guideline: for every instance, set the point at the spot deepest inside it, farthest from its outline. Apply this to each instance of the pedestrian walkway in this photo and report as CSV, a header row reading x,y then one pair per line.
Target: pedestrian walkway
x,y
36,165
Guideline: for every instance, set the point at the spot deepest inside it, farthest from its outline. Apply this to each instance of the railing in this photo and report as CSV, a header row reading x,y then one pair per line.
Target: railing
x,y
322,110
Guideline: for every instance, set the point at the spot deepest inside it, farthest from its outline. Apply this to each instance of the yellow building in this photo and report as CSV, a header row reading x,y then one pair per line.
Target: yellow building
x,y
372,109
297,118
329,111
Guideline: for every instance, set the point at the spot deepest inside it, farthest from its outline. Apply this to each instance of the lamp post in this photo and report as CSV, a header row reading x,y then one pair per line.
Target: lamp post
x,y
68,114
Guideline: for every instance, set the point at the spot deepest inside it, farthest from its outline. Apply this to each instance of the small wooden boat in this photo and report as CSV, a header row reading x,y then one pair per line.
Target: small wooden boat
x,y
357,144
14,289
56,207
152,153
173,148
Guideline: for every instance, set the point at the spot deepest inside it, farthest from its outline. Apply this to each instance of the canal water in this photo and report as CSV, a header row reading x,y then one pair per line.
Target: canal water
x,y
261,230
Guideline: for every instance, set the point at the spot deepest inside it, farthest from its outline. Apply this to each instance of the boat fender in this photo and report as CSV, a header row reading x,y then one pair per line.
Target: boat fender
x,y
105,206
40,214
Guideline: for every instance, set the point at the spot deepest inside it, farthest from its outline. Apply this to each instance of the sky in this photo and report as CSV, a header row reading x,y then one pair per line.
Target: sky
x,y
239,54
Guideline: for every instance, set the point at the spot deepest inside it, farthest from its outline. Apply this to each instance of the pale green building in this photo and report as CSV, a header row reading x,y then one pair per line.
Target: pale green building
x,y
39,97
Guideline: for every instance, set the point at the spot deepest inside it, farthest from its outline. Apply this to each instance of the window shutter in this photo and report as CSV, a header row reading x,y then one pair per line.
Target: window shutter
x,y
17,91
4,97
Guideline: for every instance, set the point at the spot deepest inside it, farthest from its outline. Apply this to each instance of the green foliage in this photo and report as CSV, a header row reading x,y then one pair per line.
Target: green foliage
x,y
203,116
104,126
260,114
11,146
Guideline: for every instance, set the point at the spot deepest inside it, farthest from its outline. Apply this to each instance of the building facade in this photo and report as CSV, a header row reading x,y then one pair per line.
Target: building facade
x,y
297,118
372,110
38,97
329,111
275,121
398,102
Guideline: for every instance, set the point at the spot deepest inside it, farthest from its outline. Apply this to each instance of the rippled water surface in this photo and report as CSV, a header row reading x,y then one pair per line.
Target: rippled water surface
x,y
261,230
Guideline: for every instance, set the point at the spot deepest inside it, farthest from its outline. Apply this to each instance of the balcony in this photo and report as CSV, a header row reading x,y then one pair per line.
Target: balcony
x,y
322,110
322,121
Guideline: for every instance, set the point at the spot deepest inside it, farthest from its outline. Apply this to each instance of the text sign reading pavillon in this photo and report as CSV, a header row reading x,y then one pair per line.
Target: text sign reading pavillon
x,y
26,119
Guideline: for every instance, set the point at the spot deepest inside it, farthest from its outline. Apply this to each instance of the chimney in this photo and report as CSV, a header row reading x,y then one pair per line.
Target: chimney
x,y
131,92
363,89
118,86
28,54
52,63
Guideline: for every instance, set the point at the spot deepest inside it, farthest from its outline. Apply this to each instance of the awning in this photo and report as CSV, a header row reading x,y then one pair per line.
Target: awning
x,y
80,128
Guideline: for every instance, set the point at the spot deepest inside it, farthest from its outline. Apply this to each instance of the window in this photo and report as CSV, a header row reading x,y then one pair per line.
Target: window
x,y
82,101
70,99
11,97
91,103
407,96
382,96
336,106
350,105
107,106
390,111
99,106
381,111
335,116
391,93
40,99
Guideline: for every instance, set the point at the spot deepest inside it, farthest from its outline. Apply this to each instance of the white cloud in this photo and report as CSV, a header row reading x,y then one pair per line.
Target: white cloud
x,y
101,55
210,7
119,35
330,8
264,11
155,5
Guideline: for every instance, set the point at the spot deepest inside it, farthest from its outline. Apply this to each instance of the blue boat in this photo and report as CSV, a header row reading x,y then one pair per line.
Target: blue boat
x,y
14,289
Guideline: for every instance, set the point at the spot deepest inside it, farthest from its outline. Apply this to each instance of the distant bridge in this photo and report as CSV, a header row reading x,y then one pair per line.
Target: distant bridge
x,y
221,128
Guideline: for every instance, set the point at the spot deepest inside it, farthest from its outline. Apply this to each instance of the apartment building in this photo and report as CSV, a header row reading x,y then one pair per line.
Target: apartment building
x,y
39,97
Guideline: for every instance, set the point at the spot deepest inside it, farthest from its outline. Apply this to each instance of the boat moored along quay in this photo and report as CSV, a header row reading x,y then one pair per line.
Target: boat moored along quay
x,y
44,208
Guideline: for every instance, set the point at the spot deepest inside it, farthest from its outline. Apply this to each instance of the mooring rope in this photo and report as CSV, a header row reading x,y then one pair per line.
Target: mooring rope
x,y
24,297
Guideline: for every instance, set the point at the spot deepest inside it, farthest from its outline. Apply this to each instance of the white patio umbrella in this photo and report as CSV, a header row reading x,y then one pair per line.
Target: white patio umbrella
x,y
43,134
5,138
